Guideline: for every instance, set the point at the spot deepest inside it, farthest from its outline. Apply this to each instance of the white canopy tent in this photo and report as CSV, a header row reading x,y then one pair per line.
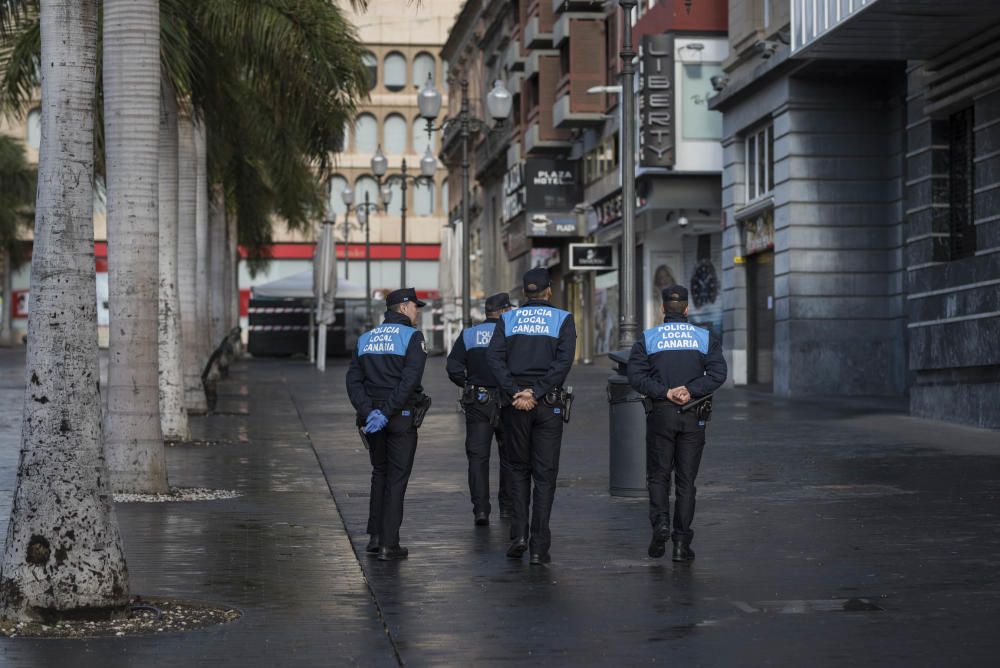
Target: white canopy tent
x,y
300,285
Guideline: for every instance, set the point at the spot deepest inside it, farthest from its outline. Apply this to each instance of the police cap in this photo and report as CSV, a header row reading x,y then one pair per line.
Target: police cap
x,y
675,293
536,280
403,295
497,302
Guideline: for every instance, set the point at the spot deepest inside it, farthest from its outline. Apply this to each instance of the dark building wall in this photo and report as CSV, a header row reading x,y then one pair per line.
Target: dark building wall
x,y
953,302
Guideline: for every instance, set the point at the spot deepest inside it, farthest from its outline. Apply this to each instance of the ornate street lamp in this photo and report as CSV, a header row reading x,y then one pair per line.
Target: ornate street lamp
x,y
380,165
498,104
361,212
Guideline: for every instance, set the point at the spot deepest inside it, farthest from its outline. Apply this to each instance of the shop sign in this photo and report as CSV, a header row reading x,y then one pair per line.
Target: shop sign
x,y
656,101
591,257
544,257
552,185
513,193
550,225
759,233
609,211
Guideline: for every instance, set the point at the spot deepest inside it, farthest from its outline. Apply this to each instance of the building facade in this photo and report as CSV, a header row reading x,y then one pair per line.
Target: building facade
x,y
861,246
545,188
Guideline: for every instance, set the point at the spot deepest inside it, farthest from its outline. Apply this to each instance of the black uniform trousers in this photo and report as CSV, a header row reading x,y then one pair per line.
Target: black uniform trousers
x,y
533,439
391,451
479,435
674,444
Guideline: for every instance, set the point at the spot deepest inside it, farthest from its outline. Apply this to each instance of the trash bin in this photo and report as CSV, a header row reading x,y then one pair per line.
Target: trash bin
x,y
628,432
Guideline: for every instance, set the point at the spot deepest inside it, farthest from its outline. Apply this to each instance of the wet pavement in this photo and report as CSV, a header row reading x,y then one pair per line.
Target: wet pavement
x,y
828,532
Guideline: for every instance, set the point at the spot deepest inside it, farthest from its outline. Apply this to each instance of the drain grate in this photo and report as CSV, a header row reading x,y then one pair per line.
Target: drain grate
x,y
808,606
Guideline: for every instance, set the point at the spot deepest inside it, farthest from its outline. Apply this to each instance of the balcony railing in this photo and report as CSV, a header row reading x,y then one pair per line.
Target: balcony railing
x,y
811,19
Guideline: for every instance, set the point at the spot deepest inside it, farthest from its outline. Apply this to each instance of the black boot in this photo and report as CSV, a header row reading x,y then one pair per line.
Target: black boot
x,y
658,545
482,519
374,543
683,552
392,553
517,548
539,558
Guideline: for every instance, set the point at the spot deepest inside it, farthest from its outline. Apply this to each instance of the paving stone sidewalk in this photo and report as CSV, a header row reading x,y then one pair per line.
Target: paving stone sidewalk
x,y
280,552
805,508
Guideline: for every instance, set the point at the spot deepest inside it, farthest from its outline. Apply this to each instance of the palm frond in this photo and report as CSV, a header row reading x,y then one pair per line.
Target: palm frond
x,y
19,55
12,12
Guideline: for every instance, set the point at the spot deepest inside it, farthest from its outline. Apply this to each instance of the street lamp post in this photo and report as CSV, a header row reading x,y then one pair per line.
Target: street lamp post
x,y
498,103
380,165
628,329
362,214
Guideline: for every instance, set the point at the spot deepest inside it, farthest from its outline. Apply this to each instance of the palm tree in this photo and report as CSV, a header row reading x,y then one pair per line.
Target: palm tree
x,y
194,392
173,414
63,550
17,195
131,85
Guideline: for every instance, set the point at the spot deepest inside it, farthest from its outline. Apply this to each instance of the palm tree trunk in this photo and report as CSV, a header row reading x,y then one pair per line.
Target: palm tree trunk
x,y
7,294
173,416
63,552
203,287
233,274
194,392
217,268
133,439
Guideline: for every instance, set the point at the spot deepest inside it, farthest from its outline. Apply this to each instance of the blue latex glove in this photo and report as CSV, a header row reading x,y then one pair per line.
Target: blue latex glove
x,y
376,421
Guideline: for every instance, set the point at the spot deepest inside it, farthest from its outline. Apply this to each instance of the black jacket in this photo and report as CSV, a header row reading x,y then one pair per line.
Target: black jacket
x,y
387,365
532,347
467,359
673,354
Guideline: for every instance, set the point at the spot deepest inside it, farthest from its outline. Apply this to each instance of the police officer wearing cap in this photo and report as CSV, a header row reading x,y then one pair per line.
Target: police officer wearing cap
x,y
468,369
383,382
531,353
675,364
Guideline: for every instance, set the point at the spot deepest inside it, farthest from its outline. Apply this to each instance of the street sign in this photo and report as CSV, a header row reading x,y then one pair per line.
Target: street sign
x,y
591,257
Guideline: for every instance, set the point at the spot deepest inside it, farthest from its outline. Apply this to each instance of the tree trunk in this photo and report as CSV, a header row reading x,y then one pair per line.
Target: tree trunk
x,y
217,268
233,275
173,415
7,294
194,392
202,255
63,555
133,439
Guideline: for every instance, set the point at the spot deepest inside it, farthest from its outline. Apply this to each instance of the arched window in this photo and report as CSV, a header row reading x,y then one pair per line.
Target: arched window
x,y
335,201
423,67
423,199
396,203
444,196
34,128
395,71
371,63
394,134
365,134
346,144
365,184
420,141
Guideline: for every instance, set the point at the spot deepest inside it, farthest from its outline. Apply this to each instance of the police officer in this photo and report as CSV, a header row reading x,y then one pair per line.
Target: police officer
x,y
383,382
467,368
531,353
674,364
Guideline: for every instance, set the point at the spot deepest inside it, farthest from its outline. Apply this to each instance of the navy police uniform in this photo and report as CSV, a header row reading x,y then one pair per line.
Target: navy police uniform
x,y
671,355
385,374
468,369
533,348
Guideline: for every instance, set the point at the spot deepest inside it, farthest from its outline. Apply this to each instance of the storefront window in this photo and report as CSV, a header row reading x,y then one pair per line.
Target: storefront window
x,y
698,121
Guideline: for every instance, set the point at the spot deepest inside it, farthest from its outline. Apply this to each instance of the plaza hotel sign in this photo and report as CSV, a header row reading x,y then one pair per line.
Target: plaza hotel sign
x,y
656,101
